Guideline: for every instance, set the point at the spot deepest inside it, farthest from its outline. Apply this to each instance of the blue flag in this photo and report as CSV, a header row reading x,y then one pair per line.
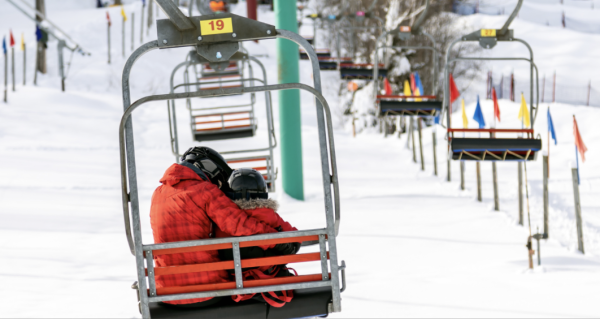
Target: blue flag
x,y
144,3
436,119
4,45
418,83
478,117
551,127
38,33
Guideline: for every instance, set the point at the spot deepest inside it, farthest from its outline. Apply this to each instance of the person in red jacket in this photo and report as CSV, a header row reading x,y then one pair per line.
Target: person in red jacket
x,y
249,192
185,207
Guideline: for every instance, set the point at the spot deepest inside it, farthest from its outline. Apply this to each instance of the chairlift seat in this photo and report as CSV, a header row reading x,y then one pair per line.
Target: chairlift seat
x,y
306,303
362,71
224,133
232,69
331,63
495,149
401,105
321,53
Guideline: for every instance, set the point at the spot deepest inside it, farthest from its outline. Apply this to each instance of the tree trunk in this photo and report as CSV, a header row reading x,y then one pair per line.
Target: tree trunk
x,y
40,6
118,2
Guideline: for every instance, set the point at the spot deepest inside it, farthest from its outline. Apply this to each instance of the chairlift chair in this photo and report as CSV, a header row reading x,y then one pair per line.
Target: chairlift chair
x,y
349,70
212,122
401,105
489,148
319,294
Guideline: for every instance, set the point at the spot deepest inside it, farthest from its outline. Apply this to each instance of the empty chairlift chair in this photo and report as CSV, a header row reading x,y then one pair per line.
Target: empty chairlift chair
x,y
487,146
315,294
401,105
232,121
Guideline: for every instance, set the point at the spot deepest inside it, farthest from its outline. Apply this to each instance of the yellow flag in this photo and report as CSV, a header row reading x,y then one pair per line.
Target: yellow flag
x,y
464,114
524,112
418,93
407,91
123,13
22,42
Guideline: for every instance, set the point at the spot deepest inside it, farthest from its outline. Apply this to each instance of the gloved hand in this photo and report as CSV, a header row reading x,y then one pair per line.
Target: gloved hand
x,y
288,248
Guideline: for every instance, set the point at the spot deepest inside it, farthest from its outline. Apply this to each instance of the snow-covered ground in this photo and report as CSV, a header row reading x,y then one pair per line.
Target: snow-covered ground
x,y
415,245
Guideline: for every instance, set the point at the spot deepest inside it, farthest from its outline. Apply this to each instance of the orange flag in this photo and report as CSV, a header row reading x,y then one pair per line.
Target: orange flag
x,y
578,140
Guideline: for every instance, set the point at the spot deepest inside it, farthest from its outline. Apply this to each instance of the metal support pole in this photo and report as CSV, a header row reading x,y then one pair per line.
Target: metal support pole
x,y
546,230
462,175
37,62
449,177
12,61
479,197
495,178
132,30
577,210
251,9
520,191
150,17
420,126
435,170
289,102
412,134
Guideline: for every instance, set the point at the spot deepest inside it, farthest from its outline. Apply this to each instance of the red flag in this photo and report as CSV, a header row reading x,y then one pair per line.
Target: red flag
x,y
578,140
387,86
12,39
413,85
454,94
496,106
108,18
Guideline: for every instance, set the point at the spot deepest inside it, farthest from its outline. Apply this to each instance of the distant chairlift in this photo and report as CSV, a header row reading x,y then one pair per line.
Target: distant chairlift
x,y
316,294
401,105
358,71
326,61
490,148
210,122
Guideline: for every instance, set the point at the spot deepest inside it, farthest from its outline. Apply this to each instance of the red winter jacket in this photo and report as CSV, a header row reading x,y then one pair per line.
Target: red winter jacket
x,y
182,209
264,211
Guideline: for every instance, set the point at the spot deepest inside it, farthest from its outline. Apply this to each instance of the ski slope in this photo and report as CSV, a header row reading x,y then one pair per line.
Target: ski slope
x,y
415,245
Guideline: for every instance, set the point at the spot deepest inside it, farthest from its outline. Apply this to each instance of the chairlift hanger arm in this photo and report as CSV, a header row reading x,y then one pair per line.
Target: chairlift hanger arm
x,y
512,16
417,25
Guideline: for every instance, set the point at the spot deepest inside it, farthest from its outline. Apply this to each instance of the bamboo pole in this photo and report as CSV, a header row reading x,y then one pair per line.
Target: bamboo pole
x,y
462,175
24,63
132,31
520,191
479,197
578,219
5,77
420,127
435,169
123,36
546,212
12,66
495,180
142,25
108,40
412,134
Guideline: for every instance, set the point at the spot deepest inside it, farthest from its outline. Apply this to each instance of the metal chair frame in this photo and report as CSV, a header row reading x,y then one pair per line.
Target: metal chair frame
x,y
169,36
488,42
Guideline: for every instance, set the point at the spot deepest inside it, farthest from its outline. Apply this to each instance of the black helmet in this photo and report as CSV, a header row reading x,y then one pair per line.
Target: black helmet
x,y
210,162
247,183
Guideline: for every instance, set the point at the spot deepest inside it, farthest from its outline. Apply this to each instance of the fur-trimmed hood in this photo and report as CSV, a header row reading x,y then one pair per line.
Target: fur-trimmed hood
x,y
257,203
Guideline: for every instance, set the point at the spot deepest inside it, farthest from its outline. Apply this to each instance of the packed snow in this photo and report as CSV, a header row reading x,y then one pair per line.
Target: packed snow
x,y
415,245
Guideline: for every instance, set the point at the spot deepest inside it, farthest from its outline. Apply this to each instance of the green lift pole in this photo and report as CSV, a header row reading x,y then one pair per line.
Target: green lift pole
x,y
289,102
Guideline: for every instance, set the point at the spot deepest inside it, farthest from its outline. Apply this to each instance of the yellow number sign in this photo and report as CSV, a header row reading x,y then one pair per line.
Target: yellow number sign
x,y
488,33
216,26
